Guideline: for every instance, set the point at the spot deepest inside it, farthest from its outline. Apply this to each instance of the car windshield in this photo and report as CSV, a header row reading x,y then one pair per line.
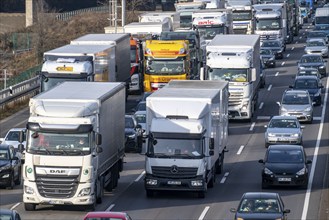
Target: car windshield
x,y
311,59
141,118
4,155
306,84
315,43
262,205
265,52
12,136
270,44
283,123
285,156
295,99
129,122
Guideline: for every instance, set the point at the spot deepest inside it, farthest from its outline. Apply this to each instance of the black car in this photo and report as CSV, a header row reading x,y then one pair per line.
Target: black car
x,y
285,165
260,205
10,167
267,57
310,83
133,134
7,214
276,46
313,61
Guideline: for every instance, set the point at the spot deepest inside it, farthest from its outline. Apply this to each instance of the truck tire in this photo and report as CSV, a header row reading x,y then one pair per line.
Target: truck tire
x,y
101,192
212,180
220,166
29,206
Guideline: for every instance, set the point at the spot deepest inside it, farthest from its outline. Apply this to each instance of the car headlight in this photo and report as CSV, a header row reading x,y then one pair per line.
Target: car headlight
x,y
7,167
295,135
271,135
301,172
317,93
324,50
132,136
308,109
301,67
271,58
267,171
321,67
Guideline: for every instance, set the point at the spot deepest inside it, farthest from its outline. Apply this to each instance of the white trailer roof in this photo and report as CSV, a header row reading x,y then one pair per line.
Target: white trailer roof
x,y
76,50
322,12
274,7
100,39
236,40
196,84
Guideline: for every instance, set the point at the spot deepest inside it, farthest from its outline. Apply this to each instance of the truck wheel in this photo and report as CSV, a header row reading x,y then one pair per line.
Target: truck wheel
x,y
149,193
101,192
220,167
212,180
29,206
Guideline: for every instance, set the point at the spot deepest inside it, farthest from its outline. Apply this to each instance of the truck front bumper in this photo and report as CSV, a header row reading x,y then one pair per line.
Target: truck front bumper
x,y
32,195
238,114
164,184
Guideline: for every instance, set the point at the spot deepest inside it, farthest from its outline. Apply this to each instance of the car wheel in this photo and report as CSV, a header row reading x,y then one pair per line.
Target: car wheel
x,y
29,206
12,182
18,181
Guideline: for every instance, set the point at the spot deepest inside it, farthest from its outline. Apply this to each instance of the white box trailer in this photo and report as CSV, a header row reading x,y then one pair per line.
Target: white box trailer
x,y
146,30
236,58
75,144
187,128
174,18
100,63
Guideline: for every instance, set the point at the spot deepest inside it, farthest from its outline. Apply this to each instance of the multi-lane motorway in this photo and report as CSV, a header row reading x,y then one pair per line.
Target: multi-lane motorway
x,y
242,172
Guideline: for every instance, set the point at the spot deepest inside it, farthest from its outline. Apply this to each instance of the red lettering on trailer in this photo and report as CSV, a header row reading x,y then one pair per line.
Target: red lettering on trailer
x,y
205,22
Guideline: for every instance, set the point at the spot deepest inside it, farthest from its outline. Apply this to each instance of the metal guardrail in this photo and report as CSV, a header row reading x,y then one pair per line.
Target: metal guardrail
x,y
68,15
19,92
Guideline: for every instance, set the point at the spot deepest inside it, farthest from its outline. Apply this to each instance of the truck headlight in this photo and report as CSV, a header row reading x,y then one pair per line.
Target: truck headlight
x,y
196,182
85,191
5,176
301,172
28,190
151,182
267,171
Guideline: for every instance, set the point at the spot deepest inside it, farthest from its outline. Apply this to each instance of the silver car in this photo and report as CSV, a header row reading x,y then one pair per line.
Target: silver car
x,y
283,130
297,103
316,46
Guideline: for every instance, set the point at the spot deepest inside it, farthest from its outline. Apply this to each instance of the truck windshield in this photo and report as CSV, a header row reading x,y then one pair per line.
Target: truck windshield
x,y
176,148
186,21
210,32
241,15
165,67
232,75
49,82
58,144
133,54
268,24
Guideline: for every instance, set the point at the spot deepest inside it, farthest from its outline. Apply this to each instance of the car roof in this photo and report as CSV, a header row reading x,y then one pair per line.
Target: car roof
x,y
140,113
5,146
258,195
106,214
284,117
6,211
311,55
285,147
17,129
296,91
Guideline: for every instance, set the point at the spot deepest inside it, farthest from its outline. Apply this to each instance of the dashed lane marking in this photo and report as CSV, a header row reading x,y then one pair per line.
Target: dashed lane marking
x,y
110,207
282,64
276,74
261,105
293,47
240,150
288,55
140,176
269,87
252,126
204,212
224,177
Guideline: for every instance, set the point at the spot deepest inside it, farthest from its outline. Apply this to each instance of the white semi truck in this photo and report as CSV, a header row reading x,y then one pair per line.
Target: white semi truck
x,y
187,130
212,22
174,18
242,16
186,9
75,144
236,59
147,30
271,22
120,41
86,63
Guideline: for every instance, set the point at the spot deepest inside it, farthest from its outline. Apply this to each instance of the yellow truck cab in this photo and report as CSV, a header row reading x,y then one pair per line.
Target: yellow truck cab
x,y
165,60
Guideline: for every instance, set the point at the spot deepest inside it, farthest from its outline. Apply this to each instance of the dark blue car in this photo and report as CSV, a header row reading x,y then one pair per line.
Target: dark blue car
x,y
310,83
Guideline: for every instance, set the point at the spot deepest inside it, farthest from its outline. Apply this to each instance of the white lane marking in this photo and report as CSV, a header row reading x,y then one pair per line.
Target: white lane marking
x,y
252,126
14,206
296,42
140,176
288,55
224,177
263,117
110,207
269,87
317,118
282,64
315,156
293,47
261,105
300,37
240,150
276,74
204,212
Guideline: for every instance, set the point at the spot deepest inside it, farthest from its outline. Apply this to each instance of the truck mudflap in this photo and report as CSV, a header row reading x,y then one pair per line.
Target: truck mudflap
x,y
166,184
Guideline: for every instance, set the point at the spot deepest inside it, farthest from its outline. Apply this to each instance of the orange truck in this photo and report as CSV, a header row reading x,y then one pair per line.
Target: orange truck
x,y
165,60
136,73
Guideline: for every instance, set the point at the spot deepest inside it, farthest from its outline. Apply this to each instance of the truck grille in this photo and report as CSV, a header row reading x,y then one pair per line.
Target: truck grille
x,y
235,98
178,173
268,37
53,186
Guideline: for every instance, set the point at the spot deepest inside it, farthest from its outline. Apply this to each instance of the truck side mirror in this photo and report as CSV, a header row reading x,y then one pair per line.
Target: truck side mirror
x,y
21,147
212,143
253,74
211,153
98,139
21,137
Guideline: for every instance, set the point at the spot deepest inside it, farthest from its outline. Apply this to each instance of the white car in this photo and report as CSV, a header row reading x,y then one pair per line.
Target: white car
x,y
316,46
12,137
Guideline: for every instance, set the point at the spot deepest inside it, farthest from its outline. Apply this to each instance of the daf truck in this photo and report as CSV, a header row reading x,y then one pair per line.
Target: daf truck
x,y
100,63
121,41
187,130
164,61
75,144
242,16
236,59
209,23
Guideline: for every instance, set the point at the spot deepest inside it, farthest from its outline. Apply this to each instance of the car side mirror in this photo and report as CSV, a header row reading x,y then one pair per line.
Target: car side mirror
x,y
21,137
211,153
286,211
321,87
21,147
261,161
99,149
297,62
233,210
279,104
138,126
308,161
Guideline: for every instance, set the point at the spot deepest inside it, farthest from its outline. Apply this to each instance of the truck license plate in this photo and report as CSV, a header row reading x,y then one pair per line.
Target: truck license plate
x,y
174,182
56,202
284,179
